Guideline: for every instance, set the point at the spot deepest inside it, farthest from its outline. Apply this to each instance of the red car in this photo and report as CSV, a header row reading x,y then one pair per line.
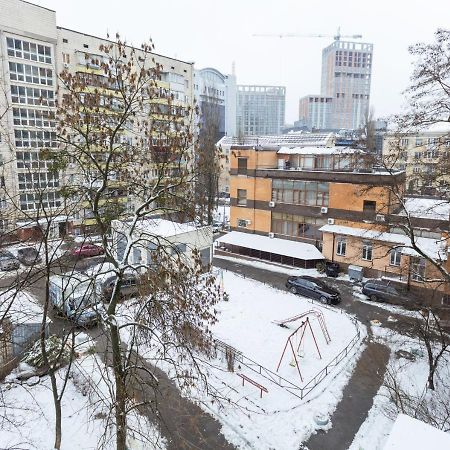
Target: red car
x,y
87,250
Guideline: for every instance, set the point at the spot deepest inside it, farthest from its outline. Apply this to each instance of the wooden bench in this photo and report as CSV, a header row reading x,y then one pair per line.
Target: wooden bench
x,y
259,386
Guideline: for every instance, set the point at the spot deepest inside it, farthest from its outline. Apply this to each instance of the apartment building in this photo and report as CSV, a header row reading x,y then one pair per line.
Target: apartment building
x,y
33,51
215,94
270,141
260,110
423,155
315,111
332,198
344,97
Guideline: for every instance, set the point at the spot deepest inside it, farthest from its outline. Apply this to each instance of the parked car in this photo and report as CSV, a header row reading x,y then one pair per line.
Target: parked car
x,y
313,288
87,250
217,227
28,256
75,296
384,290
332,269
128,288
8,261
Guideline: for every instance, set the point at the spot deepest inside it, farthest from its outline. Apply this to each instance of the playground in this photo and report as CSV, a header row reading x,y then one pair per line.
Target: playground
x,y
283,332
290,360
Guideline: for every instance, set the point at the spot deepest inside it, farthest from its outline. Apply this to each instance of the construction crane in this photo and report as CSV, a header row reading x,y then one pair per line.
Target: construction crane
x,y
336,37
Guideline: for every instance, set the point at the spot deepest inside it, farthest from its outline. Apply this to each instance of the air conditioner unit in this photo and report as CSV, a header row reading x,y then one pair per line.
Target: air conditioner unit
x,y
249,222
271,204
323,210
271,235
66,65
380,218
330,221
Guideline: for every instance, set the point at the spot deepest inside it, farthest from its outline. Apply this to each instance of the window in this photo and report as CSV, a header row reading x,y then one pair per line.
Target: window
x,y
367,251
30,160
35,201
32,96
395,256
341,246
310,193
242,166
242,197
35,139
33,117
66,58
297,226
29,50
369,206
30,74
418,268
418,141
242,223
37,180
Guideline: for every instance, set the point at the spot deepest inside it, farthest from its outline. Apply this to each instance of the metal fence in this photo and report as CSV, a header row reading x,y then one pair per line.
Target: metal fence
x,y
15,340
299,391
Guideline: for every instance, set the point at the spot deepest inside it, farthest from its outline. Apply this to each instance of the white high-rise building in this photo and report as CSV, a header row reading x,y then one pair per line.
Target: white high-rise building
x,y
345,88
346,78
260,110
33,51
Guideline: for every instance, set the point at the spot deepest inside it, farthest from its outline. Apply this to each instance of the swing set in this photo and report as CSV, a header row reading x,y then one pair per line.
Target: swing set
x,y
296,339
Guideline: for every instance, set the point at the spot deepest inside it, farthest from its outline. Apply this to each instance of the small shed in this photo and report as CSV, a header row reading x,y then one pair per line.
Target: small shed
x,y
282,251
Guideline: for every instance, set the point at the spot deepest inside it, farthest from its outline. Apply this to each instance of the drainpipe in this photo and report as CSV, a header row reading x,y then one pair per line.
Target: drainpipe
x,y
332,251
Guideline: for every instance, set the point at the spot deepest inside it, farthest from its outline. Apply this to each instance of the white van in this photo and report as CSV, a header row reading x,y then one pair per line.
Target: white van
x,y
75,296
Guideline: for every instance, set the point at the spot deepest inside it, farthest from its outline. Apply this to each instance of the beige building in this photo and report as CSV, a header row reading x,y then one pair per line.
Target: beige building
x,y
33,51
423,155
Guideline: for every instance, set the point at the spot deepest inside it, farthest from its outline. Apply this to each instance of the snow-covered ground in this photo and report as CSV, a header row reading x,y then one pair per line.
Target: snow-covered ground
x,y
411,376
30,411
222,214
278,420
246,322
20,307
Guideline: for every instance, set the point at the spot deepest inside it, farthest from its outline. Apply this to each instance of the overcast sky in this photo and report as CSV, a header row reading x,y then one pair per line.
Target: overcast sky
x,y
214,34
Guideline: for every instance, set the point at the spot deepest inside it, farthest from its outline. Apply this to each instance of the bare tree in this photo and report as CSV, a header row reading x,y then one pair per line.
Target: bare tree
x,y
208,158
129,139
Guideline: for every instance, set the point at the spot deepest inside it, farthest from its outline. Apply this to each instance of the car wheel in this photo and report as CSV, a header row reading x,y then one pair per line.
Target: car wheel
x,y
324,300
293,289
373,297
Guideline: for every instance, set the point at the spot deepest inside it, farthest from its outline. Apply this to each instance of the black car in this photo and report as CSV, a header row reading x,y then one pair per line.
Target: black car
x,y
28,256
313,288
384,290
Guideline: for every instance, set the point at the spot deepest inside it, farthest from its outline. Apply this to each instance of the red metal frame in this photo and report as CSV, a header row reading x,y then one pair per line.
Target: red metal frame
x,y
259,386
302,328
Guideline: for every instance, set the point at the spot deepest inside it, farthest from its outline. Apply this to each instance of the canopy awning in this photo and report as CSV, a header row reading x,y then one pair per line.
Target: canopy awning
x,y
284,247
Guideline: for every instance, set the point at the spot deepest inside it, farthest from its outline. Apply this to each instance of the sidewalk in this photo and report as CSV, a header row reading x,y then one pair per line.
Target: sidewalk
x,y
356,401
368,375
183,423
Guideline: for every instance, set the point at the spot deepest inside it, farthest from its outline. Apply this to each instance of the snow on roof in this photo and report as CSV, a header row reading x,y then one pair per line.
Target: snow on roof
x,y
412,434
277,246
309,150
439,127
317,139
427,208
160,227
433,248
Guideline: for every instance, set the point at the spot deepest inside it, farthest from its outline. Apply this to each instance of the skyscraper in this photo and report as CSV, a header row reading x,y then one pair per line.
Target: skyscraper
x,y
260,110
345,88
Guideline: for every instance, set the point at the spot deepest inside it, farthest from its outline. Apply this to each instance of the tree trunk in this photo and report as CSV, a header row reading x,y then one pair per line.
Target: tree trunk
x,y
58,426
119,376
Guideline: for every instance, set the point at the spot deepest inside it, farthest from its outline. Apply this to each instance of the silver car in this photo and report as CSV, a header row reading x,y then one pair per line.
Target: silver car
x,y
8,261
